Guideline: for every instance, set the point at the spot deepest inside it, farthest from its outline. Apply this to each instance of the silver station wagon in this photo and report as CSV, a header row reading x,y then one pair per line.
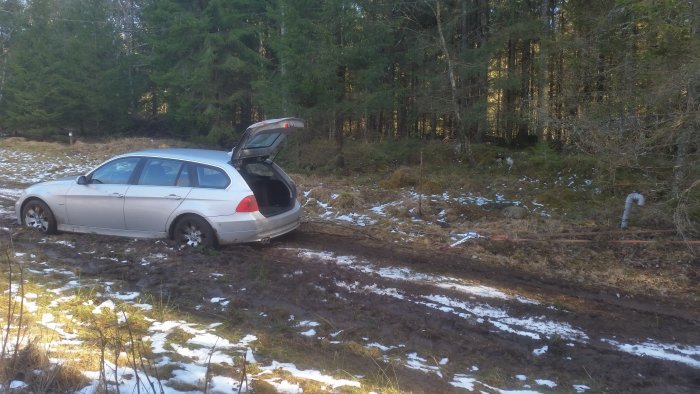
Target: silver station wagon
x,y
197,197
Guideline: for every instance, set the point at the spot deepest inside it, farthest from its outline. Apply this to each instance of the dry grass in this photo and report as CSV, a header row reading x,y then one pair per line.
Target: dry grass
x,y
96,149
348,201
34,366
320,193
24,358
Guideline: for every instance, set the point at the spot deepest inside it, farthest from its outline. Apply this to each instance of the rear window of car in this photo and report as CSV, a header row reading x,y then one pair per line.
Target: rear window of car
x,y
211,177
262,141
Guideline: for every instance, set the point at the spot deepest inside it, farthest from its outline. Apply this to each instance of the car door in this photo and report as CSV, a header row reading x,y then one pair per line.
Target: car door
x,y
99,203
161,187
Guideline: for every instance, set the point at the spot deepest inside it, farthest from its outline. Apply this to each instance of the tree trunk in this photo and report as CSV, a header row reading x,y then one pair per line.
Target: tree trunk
x,y
2,77
464,138
522,127
509,93
338,126
542,71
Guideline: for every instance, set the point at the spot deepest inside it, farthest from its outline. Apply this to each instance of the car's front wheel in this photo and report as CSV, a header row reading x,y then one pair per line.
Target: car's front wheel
x,y
191,230
36,214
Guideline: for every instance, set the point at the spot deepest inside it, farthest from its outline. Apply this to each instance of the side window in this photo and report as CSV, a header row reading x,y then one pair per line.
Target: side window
x,y
160,172
115,172
184,178
211,177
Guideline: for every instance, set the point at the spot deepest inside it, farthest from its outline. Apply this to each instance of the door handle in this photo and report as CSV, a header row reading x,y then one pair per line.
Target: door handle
x,y
117,195
174,196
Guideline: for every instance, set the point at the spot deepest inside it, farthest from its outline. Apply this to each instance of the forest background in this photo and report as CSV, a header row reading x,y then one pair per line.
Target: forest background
x,y
614,84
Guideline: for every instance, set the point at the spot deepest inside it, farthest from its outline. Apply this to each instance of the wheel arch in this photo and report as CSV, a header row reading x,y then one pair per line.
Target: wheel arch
x,y
27,201
52,220
176,218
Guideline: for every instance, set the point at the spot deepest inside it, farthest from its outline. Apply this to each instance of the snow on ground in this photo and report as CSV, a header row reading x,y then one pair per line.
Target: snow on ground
x,y
187,360
380,210
406,274
10,194
27,168
689,355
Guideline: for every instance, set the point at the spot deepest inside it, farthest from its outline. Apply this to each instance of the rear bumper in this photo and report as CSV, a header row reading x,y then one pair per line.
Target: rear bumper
x,y
254,226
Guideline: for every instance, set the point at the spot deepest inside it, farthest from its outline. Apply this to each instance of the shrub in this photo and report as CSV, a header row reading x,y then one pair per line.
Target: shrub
x,y
402,177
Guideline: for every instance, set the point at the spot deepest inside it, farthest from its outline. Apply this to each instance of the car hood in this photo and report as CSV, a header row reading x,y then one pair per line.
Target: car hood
x,y
49,189
72,178
262,139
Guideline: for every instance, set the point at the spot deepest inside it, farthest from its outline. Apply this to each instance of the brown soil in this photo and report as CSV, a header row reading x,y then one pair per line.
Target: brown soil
x,y
596,286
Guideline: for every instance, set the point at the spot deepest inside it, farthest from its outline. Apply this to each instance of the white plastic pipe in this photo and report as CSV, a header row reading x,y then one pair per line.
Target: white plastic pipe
x,y
632,197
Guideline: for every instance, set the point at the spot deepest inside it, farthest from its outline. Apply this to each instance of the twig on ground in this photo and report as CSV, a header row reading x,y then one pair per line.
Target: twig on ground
x,y
133,354
244,376
206,374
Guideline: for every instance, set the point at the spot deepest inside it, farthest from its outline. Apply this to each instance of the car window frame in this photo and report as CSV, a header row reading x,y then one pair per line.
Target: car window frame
x,y
195,175
135,173
142,168
192,169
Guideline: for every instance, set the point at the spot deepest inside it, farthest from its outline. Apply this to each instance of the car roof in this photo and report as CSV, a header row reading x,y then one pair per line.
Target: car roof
x,y
204,156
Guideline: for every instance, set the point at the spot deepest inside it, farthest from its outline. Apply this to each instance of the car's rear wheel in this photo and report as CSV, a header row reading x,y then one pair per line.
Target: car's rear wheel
x,y
192,230
36,214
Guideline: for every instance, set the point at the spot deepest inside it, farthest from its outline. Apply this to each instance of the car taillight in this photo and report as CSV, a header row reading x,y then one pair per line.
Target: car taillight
x,y
248,204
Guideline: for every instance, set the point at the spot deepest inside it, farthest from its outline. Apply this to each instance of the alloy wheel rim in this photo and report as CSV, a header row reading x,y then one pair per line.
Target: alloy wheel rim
x,y
192,235
35,218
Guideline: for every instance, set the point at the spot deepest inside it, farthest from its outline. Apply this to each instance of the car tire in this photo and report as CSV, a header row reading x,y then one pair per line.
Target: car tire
x,y
194,231
36,214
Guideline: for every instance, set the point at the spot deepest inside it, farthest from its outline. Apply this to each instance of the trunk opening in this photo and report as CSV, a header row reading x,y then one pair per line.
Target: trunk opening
x,y
272,189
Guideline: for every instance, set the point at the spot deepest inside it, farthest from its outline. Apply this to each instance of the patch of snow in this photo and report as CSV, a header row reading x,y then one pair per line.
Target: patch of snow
x,y
309,333
65,243
462,238
540,351
308,323
407,274
282,386
414,361
17,384
308,374
109,304
464,382
125,296
689,355
545,382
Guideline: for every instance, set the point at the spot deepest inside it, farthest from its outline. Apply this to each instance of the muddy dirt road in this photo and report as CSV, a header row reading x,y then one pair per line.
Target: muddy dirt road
x,y
415,320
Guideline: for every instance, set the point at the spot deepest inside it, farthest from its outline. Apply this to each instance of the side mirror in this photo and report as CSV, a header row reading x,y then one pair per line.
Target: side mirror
x,y
82,180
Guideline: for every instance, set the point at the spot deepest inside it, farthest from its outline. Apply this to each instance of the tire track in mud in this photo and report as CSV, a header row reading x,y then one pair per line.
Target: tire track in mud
x,y
584,335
